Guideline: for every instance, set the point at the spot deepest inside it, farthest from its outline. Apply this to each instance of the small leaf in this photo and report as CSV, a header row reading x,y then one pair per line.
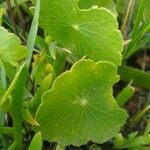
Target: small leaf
x,y
41,69
80,106
36,142
45,86
133,135
93,33
118,141
46,83
125,95
133,142
53,49
139,77
11,49
27,116
136,142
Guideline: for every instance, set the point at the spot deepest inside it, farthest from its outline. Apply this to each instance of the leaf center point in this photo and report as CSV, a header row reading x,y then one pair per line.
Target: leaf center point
x,y
84,102
76,27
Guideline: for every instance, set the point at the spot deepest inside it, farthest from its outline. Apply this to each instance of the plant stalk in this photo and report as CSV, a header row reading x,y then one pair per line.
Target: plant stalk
x,y
137,118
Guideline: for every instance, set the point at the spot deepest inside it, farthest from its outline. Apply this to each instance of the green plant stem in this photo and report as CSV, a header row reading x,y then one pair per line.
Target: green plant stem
x,y
3,75
1,16
17,104
147,129
4,101
127,16
6,130
142,43
138,17
19,89
132,48
137,118
33,32
142,32
12,146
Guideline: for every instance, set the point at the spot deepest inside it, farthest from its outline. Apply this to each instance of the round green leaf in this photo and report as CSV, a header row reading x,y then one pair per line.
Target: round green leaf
x,y
93,32
80,106
11,49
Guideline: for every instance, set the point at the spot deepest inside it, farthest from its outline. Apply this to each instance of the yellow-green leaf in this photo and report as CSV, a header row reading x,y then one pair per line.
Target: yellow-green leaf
x,y
80,106
93,32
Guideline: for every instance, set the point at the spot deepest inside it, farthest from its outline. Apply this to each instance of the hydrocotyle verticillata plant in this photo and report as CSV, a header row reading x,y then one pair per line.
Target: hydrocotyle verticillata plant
x,y
80,106
88,32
